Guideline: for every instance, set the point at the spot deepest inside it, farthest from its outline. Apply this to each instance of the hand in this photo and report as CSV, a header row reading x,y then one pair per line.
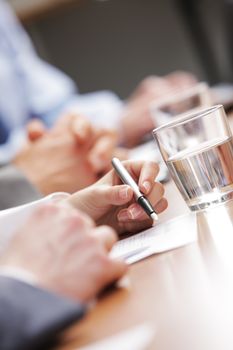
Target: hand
x,y
111,203
101,142
136,121
67,158
65,252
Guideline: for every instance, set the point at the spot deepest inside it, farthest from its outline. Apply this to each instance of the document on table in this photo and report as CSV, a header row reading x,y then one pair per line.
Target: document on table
x,y
136,338
163,237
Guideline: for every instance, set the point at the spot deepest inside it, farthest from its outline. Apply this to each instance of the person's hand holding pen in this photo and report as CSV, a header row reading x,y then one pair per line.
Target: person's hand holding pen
x,y
112,203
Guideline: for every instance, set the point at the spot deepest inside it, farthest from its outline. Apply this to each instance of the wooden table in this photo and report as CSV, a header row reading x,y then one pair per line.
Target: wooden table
x,y
186,294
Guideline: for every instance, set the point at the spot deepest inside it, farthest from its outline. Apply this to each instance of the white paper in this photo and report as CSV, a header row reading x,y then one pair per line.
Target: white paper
x,y
147,151
163,237
137,338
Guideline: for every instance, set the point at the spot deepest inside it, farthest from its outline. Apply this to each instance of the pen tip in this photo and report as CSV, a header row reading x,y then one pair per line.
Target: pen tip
x,y
154,217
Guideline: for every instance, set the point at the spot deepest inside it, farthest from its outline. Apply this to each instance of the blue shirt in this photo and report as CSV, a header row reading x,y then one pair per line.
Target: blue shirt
x,y
30,87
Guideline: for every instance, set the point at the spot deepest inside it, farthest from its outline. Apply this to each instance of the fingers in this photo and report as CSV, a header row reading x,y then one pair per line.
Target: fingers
x,y
161,205
152,87
35,130
135,212
111,269
78,125
66,221
114,195
116,270
144,173
82,129
104,196
118,195
45,210
76,222
64,122
181,79
101,153
147,176
106,236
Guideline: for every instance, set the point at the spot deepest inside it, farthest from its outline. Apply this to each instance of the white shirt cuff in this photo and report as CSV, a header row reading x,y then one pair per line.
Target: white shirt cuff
x,y
18,274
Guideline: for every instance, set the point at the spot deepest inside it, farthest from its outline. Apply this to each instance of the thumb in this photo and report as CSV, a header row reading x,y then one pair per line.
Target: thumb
x,y
115,195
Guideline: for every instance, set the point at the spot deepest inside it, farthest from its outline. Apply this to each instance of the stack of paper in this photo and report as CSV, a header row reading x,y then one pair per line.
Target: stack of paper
x,y
163,237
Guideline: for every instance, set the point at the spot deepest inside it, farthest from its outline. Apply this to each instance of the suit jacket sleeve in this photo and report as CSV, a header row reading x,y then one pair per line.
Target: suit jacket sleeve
x,y
30,317
15,188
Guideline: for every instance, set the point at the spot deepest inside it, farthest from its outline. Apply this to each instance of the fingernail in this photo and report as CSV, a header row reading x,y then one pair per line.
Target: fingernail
x,y
124,192
123,216
135,212
147,186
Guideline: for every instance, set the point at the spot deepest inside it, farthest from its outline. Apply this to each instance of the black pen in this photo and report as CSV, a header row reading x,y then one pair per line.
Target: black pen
x,y
128,180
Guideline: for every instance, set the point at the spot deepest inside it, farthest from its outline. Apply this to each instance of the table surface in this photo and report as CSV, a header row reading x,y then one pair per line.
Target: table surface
x,y
185,294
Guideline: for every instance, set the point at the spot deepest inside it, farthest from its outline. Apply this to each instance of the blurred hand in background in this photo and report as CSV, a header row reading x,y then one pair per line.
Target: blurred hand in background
x,y
136,120
68,157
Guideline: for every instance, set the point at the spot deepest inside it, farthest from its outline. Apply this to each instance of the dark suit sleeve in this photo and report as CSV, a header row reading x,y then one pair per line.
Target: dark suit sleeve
x,y
15,188
31,318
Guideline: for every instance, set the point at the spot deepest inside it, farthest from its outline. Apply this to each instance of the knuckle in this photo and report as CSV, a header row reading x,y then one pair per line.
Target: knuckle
x,y
75,221
92,242
82,217
48,208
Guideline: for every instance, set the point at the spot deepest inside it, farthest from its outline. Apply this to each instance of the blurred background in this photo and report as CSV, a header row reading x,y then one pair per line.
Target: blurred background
x,y
113,44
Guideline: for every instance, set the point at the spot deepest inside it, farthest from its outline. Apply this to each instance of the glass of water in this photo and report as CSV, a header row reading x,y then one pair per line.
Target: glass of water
x,y
198,151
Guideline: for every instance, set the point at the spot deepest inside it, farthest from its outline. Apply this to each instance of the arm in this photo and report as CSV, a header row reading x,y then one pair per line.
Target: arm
x,y
69,257
31,317
45,87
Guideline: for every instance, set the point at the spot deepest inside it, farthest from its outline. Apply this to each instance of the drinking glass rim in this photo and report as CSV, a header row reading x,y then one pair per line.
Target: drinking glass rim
x,y
187,117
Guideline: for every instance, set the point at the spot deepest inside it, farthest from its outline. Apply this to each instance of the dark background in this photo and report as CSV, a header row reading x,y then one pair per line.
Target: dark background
x,y
114,44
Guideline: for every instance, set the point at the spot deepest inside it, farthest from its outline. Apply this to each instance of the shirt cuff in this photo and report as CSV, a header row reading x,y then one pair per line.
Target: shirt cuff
x,y
18,274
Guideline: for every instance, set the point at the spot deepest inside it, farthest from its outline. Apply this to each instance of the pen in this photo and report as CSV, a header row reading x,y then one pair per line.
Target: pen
x,y
128,180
